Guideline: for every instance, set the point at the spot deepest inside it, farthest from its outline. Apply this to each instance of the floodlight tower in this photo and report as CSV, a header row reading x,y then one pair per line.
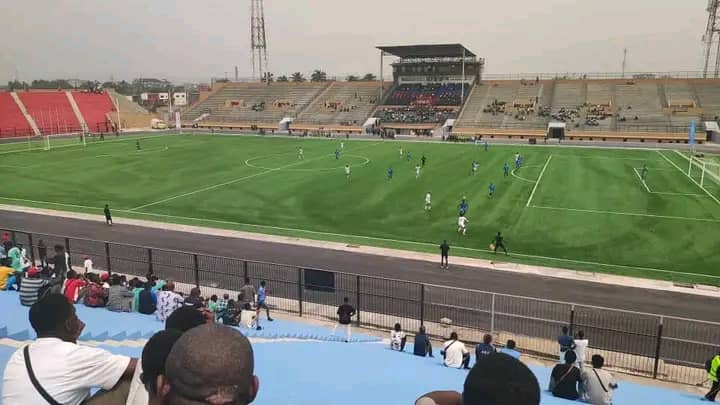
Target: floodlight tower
x,y
257,39
712,33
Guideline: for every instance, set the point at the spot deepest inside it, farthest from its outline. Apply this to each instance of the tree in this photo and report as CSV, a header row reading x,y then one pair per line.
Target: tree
x,y
352,78
318,76
369,77
298,77
268,77
283,78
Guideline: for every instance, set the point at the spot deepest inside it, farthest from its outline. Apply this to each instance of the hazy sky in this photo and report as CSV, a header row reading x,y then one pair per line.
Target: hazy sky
x,y
195,39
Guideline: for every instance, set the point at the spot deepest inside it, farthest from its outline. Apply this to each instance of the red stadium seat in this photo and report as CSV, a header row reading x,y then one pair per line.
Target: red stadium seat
x,y
51,111
12,120
94,108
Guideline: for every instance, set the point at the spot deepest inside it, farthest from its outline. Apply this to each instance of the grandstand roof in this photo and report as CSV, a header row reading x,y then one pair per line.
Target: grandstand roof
x,y
427,51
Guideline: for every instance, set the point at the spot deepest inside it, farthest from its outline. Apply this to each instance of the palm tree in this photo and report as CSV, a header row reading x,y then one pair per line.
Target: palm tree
x,y
352,78
318,76
283,78
297,77
369,77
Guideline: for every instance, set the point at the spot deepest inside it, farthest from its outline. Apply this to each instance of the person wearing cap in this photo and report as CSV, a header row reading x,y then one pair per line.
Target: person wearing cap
x,y
104,278
217,373
87,265
30,286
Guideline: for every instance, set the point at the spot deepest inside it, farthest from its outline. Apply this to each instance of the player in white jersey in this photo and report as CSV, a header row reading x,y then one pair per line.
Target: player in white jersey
x,y
300,153
401,152
462,224
347,172
428,201
417,171
342,145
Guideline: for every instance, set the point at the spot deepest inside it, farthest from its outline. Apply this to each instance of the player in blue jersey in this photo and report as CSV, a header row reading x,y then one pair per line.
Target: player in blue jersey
x,y
474,167
517,161
506,169
463,207
644,173
485,146
337,154
408,156
390,173
491,190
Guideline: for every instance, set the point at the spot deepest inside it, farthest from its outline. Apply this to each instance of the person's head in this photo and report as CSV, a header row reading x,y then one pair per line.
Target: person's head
x,y
565,330
346,300
41,243
58,248
226,296
570,357
93,278
107,206
397,328
213,298
154,355
123,280
510,344
454,336
247,306
72,274
499,379
33,272
247,280
262,283
114,280
421,331
580,335
184,319
195,292
597,361
498,232
169,286
487,339
149,285
54,316
105,276
221,373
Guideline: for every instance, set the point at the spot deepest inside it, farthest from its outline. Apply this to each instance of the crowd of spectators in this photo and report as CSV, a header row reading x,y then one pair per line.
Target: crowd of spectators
x,y
449,94
416,115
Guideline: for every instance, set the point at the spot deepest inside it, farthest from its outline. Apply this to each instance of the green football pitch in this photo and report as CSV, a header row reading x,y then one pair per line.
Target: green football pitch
x,y
569,207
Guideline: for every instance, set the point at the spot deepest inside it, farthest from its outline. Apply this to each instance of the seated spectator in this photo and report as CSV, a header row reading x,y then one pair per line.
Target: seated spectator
x,y
15,256
221,307
565,378
397,338
454,353
597,384
7,275
194,300
212,303
96,296
32,286
147,300
485,348
422,346
119,297
72,286
167,301
248,318
154,355
509,349
494,380
218,373
65,370
105,279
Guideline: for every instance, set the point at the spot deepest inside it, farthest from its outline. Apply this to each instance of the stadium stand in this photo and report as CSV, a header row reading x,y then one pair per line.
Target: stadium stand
x,y
51,111
346,103
12,120
94,107
707,93
639,106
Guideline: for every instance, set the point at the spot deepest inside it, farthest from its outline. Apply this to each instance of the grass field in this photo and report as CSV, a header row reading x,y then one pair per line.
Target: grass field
x,y
578,208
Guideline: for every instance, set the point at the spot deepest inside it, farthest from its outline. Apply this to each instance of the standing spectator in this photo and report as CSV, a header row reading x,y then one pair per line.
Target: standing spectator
x,y
485,348
565,378
194,299
262,295
455,353
7,274
397,338
65,370
509,349
96,295
444,249
147,300
422,346
345,313
712,368
31,285
59,263
87,265
247,294
581,345
15,255
108,217
167,301
222,305
566,342
42,252
597,384
72,286
119,297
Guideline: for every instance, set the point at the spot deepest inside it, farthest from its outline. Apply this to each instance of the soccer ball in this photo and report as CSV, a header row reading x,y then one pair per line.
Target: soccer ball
x,y
492,246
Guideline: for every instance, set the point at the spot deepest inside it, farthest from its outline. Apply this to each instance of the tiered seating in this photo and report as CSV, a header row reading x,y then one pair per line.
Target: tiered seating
x,y
51,111
487,106
12,120
348,103
433,94
256,102
708,94
640,100
94,107
600,103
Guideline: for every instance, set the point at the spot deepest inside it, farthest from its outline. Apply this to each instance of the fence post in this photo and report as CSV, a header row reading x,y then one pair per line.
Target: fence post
x,y
572,318
657,348
31,249
492,314
150,261
13,238
245,270
300,291
107,257
422,304
357,298
196,270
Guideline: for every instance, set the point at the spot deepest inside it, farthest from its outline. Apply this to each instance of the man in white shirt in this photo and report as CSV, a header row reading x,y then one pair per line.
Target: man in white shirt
x,y
397,338
167,301
455,353
581,345
462,224
597,385
87,265
63,369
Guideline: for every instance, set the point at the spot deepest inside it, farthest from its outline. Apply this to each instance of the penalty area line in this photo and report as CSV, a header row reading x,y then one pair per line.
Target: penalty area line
x,y
542,172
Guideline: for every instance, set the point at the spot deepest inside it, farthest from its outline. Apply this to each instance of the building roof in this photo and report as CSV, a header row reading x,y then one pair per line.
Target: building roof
x,y
427,51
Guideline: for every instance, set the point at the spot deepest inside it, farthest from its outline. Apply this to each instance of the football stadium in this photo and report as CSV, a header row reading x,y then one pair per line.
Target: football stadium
x,y
520,238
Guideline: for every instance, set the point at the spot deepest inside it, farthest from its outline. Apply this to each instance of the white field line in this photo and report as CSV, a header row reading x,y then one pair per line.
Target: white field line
x,y
227,183
629,214
427,244
542,172
671,193
601,157
512,172
691,179
78,145
642,181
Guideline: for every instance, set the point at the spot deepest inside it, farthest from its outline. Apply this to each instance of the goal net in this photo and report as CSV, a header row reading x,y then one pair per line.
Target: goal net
x,y
705,171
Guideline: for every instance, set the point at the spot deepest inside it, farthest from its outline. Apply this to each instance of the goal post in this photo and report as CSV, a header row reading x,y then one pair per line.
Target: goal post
x,y
706,172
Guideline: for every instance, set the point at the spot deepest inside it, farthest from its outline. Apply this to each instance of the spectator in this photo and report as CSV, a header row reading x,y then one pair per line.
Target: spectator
x,y
96,295
422,346
444,249
220,373
42,252
31,286
712,367
194,300
247,294
231,313
497,380
485,348
222,305
15,256
7,274
167,301
509,349
147,300
87,265
440,398
566,343
108,216
72,286
119,297
454,353
248,318
597,384
104,278
565,378
59,263
345,313
581,345
154,355
212,303
261,303
397,338
65,371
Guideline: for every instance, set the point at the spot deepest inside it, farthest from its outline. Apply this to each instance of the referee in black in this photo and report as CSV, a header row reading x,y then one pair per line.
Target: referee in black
x,y
499,243
444,249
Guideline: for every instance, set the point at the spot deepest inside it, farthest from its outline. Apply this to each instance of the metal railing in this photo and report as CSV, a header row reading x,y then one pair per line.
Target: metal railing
x,y
689,74
650,345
